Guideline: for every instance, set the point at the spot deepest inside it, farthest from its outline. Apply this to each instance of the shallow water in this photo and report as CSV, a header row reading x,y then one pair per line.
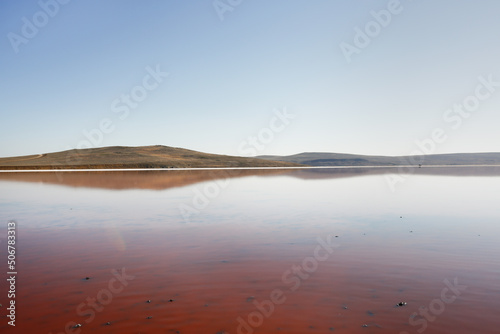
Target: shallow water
x,y
276,251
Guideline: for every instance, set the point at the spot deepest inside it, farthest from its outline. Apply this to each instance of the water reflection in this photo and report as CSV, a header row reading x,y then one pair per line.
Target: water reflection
x,y
177,178
258,233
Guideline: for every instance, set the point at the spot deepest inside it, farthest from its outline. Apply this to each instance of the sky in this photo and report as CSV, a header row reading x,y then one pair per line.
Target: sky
x,y
257,77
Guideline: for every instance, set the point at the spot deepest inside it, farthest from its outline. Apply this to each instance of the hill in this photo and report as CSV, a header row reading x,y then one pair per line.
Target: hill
x,y
133,157
173,157
340,159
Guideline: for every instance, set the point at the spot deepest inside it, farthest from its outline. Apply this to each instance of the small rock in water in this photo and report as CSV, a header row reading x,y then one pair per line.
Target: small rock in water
x,y
364,325
401,303
108,323
87,278
148,301
150,317
77,326
170,300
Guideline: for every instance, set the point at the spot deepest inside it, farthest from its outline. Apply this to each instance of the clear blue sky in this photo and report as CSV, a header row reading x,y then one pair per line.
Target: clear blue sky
x,y
229,70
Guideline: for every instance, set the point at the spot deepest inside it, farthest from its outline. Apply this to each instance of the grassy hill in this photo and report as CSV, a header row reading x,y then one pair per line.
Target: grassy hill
x,y
172,157
339,159
133,157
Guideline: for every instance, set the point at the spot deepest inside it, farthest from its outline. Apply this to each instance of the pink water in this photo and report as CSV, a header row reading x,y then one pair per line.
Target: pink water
x,y
294,252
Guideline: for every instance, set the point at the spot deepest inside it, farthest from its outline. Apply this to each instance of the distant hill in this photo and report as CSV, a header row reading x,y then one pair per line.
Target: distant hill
x,y
173,157
133,157
340,159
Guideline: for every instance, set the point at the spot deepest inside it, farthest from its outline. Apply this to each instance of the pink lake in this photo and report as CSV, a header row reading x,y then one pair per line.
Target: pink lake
x,y
277,251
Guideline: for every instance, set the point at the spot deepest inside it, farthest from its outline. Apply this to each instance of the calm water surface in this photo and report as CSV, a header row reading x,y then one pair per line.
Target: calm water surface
x,y
279,251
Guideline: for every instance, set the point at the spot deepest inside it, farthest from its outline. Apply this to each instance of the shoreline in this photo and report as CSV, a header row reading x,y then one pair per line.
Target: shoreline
x,y
226,168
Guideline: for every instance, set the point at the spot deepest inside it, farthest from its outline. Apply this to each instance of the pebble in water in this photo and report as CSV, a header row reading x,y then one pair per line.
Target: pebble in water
x,y
401,304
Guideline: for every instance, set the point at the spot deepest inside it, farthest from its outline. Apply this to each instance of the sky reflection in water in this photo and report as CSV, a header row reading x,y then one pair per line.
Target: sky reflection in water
x,y
216,241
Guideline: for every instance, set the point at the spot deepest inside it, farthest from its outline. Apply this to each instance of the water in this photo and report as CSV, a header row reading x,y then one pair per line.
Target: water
x,y
254,251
